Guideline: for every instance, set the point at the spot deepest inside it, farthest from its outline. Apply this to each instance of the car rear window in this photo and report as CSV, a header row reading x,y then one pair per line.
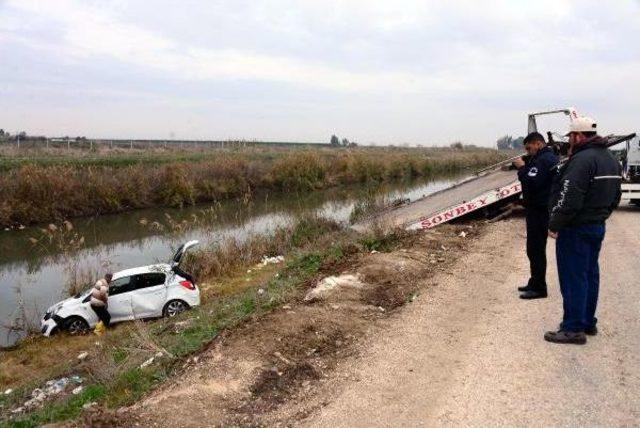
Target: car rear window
x,y
149,280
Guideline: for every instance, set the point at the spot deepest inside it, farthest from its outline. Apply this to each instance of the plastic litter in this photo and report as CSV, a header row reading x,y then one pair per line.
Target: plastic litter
x,y
272,260
77,390
8,391
51,388
89,405
83,355
150,361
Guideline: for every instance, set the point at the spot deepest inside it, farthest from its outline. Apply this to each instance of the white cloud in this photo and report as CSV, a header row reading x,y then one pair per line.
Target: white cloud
x,y
90,33
378,68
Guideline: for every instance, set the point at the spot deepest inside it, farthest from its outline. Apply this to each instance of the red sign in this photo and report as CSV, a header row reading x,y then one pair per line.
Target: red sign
x,y
459,210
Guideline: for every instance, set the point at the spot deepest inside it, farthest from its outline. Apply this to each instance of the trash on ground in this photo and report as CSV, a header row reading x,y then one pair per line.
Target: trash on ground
x,y
147,363
8,391
52,388
463,234
272,260
83,355
279,356
326,286
150,361
77,390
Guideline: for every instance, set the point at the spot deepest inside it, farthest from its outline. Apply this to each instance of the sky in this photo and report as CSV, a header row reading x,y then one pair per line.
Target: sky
x,y
375,72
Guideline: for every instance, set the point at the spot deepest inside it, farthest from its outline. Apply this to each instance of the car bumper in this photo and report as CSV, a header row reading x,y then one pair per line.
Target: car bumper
x,y
47,327
50,324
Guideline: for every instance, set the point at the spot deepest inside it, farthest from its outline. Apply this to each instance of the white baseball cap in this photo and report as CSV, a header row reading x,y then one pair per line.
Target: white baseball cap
x,y
582,124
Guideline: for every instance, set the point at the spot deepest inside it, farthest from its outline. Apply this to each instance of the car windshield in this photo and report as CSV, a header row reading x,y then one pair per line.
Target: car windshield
x,y
84,292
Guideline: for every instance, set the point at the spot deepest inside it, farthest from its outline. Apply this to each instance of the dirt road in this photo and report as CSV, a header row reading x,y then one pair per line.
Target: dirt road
x,y
470,353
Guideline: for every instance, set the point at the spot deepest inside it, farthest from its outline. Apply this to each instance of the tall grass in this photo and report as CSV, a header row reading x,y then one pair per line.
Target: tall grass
x,y
36,193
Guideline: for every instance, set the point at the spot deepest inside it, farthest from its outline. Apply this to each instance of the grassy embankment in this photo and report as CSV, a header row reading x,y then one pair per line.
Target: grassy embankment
x,y
53,188
112,374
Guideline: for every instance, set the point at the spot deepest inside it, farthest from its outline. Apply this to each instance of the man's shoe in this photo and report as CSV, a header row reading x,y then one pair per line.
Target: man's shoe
x,y
524,288
561,336
591,331
533,294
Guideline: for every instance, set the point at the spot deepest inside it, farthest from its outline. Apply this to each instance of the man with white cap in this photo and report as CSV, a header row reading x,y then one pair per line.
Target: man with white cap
x,y
585,190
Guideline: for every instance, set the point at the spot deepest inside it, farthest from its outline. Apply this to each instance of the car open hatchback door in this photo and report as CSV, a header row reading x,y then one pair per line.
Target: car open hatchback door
x,y
180,252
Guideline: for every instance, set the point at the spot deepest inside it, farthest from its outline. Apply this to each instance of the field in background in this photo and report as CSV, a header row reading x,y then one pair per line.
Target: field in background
x,y
41,185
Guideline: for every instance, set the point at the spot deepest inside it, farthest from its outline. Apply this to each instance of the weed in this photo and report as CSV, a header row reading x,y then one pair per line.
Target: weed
x,y
42,189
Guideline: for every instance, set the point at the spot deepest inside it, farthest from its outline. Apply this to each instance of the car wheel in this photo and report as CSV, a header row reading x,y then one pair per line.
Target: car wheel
x,y
174,307
76,325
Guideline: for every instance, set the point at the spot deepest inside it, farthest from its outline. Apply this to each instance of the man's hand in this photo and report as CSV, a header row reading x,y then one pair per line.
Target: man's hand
x,y
553,235
518,163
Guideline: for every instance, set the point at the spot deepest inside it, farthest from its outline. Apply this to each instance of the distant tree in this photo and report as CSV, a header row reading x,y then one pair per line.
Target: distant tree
x,y
1,132
517,143
353,144
335,141
22,134
345,142
457,145
504,143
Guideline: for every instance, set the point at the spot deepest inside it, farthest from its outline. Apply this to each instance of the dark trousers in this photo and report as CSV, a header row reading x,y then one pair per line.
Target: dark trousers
x,y
537,232
103,314
577,251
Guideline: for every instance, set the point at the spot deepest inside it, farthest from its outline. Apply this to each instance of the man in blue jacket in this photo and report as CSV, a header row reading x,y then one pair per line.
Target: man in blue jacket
x,y
586,189
536,174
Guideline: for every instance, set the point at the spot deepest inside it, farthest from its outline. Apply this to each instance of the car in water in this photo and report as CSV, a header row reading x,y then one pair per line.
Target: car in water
x,y
159,290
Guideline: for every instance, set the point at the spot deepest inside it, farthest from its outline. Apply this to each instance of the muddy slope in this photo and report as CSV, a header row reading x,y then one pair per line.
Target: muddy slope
x,y
276,369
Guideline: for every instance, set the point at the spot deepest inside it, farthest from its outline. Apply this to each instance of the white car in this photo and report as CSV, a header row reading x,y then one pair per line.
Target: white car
x,y
139,293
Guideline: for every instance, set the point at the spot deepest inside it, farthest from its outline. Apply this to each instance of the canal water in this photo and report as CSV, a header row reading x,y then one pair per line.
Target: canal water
x,y
34,276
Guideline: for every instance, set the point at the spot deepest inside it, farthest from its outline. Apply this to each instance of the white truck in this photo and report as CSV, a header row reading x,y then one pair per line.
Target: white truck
x,y
631,172
487,190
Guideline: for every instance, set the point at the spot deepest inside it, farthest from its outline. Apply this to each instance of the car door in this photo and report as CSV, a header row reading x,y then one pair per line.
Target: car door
x,y
181,251
119,302
150,295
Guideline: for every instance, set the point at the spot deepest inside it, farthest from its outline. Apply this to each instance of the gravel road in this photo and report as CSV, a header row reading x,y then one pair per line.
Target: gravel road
x,y
470,353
